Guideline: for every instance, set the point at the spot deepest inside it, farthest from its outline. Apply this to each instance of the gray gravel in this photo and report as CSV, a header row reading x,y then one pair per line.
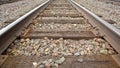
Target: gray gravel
x,y
107,10
12,11
59,47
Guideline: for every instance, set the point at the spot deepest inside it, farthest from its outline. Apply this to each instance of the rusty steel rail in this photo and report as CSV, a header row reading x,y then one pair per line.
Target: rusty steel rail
x,y
13,30
109,32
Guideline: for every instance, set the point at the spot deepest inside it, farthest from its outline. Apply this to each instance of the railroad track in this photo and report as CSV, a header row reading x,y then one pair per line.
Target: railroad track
x,y
59,33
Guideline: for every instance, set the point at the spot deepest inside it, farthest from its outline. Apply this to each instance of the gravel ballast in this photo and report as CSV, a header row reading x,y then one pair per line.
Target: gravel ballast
x,y
60,47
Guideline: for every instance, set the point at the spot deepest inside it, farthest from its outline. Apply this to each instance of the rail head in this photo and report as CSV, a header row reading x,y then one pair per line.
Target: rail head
x,y
9,33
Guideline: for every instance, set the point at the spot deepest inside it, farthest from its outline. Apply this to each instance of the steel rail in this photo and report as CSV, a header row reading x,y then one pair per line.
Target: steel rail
x,y
9,33
109,32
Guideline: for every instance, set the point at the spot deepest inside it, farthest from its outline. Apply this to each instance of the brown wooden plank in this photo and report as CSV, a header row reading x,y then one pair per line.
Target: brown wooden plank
x,y
61,12
60,5
60,15
90,62
60,8
62,34
62,22
64,19
61,31
96,61
50,7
